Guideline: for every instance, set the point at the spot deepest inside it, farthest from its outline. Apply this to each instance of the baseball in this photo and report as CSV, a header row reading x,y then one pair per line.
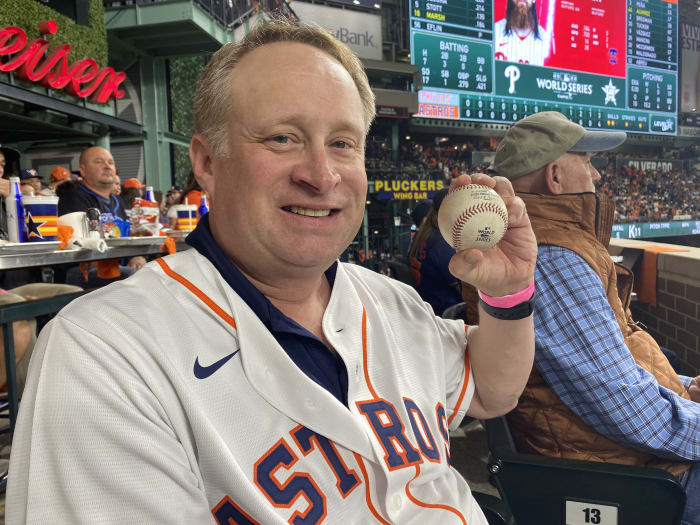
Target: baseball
x,y
472,216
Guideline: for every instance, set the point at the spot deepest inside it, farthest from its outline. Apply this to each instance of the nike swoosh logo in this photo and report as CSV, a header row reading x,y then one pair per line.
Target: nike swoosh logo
x,y
202,372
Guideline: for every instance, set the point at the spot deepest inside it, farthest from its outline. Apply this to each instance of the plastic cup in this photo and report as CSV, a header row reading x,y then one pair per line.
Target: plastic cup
x,y
41,218
186,217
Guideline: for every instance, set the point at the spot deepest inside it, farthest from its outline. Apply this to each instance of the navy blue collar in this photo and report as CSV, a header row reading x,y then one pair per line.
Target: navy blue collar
x,y
203,241
112,202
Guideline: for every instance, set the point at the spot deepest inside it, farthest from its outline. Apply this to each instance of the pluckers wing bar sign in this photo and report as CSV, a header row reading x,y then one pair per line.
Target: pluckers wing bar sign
x,y
31,63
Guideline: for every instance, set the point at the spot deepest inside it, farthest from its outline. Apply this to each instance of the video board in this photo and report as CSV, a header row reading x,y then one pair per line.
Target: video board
x,y
604,64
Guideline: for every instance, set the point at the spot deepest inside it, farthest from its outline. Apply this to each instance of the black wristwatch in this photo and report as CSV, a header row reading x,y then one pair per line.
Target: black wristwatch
x,y
519,311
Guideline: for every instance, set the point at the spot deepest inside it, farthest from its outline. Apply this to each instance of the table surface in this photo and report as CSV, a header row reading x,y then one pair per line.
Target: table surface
x,y
28,259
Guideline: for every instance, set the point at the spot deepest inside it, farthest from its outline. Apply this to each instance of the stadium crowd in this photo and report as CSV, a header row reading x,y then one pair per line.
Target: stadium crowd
x,y
640,195
652,195
419,161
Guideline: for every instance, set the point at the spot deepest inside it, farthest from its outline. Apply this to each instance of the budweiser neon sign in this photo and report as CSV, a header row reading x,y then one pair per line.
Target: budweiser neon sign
x,y
31,63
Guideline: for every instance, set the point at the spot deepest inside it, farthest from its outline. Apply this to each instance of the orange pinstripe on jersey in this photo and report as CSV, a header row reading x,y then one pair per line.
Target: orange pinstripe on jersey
x,y
464,387
432,505
359,459
374,512
199,293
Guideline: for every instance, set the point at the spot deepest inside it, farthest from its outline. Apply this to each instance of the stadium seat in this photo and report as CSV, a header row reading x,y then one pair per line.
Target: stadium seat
x,y
495,510
542,490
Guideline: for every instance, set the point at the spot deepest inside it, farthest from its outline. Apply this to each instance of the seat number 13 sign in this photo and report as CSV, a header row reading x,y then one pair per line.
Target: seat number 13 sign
x,y
589,513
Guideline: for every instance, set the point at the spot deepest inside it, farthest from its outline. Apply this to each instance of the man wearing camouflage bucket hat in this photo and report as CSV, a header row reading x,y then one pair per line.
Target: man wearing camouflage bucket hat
x,y
591,359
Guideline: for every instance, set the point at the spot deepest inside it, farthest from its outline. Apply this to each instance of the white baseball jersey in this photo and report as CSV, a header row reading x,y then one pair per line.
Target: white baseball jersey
x,y
526,50
163,399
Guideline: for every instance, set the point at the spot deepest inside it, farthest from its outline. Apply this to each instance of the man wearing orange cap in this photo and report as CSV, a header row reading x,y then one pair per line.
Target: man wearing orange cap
x,y
134,184
59,175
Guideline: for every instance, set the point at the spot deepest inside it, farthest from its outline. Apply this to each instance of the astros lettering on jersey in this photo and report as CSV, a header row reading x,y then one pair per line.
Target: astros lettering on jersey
x,y
525,50
201,417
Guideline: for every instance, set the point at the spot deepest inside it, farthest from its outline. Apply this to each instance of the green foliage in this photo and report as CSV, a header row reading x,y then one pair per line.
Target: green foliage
x,y
87,42
184,72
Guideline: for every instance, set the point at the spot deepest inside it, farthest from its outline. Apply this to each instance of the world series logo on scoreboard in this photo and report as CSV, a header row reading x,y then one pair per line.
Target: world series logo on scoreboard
x,y
606,65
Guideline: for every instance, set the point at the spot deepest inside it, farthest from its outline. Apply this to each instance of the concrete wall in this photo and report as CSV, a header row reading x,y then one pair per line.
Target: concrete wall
x,y
675,321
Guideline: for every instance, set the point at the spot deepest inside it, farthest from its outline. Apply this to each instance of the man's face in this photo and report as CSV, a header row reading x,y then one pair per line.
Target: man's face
x,y
117,185
579,174
97,168
35,183
2,164
174,197
291,195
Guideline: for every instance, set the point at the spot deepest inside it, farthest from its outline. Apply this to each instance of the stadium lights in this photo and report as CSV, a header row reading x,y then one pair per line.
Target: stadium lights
x,y
377,6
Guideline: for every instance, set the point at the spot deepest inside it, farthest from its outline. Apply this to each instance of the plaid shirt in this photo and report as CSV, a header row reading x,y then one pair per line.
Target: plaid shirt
x,y
581,353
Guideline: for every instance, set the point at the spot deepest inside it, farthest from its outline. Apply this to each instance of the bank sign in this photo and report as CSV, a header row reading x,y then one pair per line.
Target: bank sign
x,y
405,189
362,32
31,62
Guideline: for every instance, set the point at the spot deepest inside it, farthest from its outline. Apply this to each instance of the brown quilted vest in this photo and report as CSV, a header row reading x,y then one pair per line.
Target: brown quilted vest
x,y
541,423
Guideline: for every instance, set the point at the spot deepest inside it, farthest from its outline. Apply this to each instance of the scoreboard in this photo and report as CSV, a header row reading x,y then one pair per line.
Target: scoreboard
x,y
606,64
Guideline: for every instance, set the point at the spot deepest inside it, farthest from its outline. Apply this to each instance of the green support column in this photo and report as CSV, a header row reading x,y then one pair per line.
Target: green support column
x,y
103,142
154,101
395,142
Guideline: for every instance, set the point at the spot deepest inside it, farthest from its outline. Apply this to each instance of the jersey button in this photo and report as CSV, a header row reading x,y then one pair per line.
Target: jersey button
x,y
397,501
310,404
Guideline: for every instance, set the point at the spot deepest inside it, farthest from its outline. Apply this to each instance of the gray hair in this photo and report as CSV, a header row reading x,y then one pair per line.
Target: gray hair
x,y
213,86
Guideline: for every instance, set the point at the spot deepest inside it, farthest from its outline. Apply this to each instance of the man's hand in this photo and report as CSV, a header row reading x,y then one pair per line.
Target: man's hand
x,y
694,389
137,262
509,266
4,187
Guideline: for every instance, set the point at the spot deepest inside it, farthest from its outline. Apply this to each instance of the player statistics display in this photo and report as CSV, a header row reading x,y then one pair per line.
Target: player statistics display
x,y
604,64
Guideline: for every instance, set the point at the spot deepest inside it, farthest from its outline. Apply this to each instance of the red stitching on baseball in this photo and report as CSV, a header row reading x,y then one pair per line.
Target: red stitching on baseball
x,y
471,212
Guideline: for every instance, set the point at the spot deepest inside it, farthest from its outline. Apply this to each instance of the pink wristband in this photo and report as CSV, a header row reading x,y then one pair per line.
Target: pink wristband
x,y
509,301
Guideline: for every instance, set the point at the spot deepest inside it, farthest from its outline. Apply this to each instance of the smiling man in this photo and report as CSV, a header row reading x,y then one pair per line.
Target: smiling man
x,y
260,380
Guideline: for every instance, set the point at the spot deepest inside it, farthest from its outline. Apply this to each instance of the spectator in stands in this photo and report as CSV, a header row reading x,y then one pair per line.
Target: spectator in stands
x,y
95,191
421,211
193,192
173,196
117,189
30,182
192,195
430,258
58,176
132,189
160,199
601,388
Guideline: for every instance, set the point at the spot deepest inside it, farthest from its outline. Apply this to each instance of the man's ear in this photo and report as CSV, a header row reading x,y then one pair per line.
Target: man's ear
x,y
553,178
201,157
